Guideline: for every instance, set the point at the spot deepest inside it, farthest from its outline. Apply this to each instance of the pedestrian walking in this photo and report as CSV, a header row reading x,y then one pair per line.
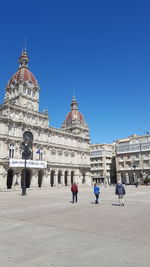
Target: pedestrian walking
x,y
74,190
120,191
96,192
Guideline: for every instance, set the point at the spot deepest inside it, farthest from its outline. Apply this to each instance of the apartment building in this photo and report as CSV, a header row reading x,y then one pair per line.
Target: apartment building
x,y
103,167
133,158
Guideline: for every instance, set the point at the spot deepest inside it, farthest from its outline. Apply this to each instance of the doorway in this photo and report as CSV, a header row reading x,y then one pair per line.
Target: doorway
x,y
66,179
9,179
52,178
40,178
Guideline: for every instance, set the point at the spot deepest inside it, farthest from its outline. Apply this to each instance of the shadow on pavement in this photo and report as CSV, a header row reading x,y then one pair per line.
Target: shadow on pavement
x,y
92,202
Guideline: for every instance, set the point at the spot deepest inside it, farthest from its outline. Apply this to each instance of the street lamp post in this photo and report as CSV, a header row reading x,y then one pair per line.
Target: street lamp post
x,y
26,154
24,178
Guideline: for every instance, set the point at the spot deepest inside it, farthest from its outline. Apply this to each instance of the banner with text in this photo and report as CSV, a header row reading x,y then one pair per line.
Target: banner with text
x,y
29,164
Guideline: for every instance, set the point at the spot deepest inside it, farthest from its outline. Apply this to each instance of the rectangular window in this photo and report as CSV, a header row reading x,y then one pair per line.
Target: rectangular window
x,y
29,92
11,153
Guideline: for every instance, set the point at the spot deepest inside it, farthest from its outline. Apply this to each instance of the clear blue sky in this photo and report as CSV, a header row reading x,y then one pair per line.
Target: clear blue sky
x,y
100,48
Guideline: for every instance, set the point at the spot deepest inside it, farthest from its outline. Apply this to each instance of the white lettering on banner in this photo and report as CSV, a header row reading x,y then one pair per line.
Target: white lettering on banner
x,y
29,164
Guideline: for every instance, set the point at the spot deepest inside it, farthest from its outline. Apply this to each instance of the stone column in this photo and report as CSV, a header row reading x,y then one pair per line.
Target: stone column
x,y
118,177
76,177
43,179
88,180
69,178
16,183
63,178
34,178
18,179
108,178
14,179
3,175
134,176
46,181
56,178
79,176
127,178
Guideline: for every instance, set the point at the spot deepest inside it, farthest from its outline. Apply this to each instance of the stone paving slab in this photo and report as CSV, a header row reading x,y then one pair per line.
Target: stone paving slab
x,y
46,229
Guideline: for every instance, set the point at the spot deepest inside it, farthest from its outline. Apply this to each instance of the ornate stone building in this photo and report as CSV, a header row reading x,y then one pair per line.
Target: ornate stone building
x,y
59,156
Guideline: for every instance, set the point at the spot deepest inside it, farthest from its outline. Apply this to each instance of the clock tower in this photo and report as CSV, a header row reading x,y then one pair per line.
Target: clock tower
x,y
23,89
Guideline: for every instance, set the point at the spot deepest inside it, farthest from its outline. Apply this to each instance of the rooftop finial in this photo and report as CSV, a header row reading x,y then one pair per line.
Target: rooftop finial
x,y
25,44
74,104
23,59
73,92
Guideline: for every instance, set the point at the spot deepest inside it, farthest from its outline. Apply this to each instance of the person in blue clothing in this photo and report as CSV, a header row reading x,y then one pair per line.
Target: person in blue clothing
x,y
120,191
96,192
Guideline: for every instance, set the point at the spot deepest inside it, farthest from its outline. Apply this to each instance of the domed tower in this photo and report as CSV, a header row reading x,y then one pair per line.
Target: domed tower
x,y
75,122
23,89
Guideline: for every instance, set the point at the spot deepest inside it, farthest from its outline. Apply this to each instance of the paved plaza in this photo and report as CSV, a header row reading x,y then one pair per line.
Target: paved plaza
x,y
45,229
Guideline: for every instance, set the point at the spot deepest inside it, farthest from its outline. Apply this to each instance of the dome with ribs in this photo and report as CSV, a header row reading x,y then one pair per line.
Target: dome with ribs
x,y
23,74
74,114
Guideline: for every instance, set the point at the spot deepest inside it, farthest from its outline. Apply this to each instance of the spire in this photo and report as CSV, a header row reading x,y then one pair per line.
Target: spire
x,y
23,59
74,104
25,44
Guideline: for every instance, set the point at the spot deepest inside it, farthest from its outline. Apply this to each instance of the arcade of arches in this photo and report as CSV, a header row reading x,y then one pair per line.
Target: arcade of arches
x,y
40,178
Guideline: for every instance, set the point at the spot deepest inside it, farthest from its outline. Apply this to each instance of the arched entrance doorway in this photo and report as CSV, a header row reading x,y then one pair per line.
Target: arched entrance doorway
x,y
66,179
72,177
27,178
59,177
52,178
40,178
9,179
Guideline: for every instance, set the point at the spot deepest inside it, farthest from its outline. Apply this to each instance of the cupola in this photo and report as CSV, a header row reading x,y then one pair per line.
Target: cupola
x,y
74,121
23,89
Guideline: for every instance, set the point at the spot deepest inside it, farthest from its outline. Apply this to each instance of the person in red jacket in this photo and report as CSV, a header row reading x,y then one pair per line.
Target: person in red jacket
x,y
74,190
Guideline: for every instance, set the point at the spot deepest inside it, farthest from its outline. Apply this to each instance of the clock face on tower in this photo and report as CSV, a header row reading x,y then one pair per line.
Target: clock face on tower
x,y
28,138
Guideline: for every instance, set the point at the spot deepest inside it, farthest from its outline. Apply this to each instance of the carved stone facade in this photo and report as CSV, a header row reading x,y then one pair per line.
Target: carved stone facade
x,y
66,150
